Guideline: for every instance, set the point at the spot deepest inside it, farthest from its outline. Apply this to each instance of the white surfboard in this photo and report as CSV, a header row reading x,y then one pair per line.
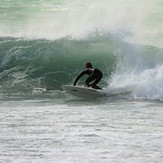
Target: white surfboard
x,y
83,92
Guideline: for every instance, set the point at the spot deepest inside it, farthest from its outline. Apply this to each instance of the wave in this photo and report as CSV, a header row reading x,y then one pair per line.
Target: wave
x,y
37,65
139,70
49,64
45,44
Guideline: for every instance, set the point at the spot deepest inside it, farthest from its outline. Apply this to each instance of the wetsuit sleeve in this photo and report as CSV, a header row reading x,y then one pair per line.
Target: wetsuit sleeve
x,y
76,80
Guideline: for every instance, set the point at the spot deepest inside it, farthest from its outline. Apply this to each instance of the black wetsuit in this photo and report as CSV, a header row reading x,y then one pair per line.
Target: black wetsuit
x,y
95,75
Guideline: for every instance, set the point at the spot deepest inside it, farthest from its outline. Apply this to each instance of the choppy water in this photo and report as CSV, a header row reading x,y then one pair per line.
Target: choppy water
x,y
81,131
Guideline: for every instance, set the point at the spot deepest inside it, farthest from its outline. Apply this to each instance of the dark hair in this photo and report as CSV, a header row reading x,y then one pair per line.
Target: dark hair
x,y
88,65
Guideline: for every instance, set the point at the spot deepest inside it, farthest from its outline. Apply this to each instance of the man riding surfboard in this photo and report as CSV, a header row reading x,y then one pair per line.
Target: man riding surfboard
x,y
94,78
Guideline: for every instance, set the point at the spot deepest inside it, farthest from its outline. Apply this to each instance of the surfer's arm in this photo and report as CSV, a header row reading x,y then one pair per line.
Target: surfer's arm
x,y
78,77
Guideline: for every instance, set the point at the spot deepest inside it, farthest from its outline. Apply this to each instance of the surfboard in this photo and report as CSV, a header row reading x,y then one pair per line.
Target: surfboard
x,y
83,92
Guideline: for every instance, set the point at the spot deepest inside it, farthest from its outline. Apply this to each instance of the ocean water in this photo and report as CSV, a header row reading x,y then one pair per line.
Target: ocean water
x,y
44,45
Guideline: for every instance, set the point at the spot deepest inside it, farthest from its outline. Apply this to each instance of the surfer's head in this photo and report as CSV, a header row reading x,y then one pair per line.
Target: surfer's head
x,y
88,65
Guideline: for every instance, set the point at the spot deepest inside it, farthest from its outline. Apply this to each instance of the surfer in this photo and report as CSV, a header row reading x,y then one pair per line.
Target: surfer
x,y
94,78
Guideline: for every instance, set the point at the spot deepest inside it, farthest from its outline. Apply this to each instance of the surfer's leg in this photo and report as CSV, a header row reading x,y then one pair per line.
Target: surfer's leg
x,y
89,80
97,80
